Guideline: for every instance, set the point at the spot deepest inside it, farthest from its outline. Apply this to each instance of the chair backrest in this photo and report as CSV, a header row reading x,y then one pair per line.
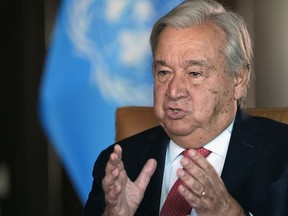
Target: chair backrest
x,y
131,120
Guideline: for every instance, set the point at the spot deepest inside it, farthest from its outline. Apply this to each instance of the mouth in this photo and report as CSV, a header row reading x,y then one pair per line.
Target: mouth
x,y
175,113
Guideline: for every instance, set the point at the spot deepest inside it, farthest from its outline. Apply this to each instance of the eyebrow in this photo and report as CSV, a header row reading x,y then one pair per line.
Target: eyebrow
x,y
159,62
188,63
201,63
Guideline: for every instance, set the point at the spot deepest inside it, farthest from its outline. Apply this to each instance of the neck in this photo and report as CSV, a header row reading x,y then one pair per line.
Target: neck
x,y
201,136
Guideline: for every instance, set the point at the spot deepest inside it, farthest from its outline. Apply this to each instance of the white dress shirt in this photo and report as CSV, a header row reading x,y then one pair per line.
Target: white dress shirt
x,y
218,148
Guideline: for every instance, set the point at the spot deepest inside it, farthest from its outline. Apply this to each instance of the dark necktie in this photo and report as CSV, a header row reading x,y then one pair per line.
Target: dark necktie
x,y
175,204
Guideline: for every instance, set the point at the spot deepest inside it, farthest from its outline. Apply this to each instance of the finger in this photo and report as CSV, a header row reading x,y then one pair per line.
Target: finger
x,y
191,189
113,170
144,177
116,155
191,182
201,162
114,159
193,200
192,174
199,167
198,174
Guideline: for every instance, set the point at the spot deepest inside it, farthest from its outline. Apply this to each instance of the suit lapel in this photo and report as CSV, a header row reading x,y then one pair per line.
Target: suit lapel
x,y
154,148
244,149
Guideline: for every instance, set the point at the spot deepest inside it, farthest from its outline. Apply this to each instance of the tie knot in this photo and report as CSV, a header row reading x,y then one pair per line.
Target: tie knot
x,y
175,204
203,151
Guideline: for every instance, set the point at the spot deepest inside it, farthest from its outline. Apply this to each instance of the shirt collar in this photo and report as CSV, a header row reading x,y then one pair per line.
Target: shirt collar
x,y
173,151
218,145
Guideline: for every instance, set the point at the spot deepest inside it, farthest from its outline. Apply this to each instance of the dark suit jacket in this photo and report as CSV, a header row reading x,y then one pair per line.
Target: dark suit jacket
x,y
255,171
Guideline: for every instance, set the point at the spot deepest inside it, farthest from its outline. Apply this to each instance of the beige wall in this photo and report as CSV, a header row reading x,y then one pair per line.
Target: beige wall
x,y
271,52
268,22
245,9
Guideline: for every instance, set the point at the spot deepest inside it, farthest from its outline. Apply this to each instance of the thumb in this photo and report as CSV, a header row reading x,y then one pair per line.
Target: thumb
x,y
144,177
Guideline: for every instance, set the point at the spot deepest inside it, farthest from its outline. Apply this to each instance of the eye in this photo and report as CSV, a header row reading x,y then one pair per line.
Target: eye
x,y
163,72
195,74
163,75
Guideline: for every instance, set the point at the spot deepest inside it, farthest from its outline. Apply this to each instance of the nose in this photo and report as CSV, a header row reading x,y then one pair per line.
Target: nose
x,y
177,87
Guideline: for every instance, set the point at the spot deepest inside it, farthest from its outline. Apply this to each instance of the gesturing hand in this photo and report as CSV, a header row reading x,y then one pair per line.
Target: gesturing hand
x,y
122,196
206,191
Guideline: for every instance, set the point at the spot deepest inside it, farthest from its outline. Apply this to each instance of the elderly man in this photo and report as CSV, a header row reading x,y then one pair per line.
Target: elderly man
x,y
233,164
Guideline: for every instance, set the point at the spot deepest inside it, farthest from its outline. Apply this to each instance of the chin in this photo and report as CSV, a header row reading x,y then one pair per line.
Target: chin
x,y
175,129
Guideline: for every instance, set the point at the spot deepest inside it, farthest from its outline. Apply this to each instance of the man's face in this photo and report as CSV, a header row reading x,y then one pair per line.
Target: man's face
x,y
194,97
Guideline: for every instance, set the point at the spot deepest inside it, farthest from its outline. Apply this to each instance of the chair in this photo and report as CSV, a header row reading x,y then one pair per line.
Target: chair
x,y
131,120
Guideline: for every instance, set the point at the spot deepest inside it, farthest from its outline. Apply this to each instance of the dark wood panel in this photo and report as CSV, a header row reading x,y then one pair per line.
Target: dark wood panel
x,y
23,146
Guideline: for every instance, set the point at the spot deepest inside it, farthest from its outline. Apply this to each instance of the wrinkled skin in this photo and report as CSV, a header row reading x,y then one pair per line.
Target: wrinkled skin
x,y
195,100
123,196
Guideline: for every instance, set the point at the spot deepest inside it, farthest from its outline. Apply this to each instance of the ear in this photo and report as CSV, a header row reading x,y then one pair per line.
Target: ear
x,y
240,83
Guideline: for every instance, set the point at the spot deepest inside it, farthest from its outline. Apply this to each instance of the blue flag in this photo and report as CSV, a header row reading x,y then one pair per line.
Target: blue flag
x,y
99,59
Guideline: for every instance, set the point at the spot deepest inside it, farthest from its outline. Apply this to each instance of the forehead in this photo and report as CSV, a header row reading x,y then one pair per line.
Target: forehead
x,y
202,41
